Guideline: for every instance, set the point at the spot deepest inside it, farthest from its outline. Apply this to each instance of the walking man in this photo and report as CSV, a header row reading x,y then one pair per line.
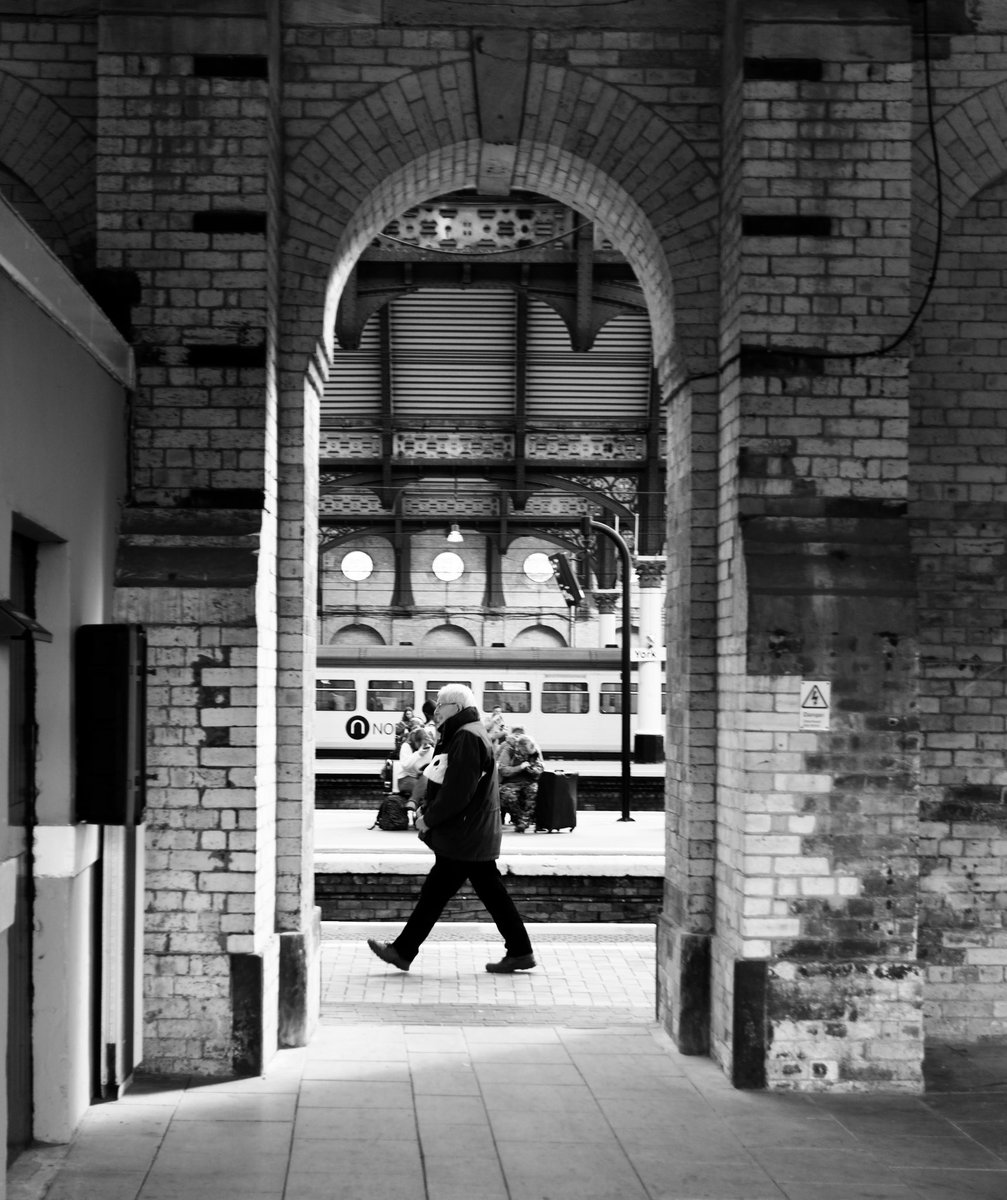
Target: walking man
x,y
460,822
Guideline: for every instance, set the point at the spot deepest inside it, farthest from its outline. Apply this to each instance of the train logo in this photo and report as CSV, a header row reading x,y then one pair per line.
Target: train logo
x,y
358,727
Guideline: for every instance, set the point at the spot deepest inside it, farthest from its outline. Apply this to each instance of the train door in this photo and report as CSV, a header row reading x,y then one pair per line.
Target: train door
x,y
21,820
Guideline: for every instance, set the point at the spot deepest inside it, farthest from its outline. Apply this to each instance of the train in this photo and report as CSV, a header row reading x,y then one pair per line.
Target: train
x,y
569,700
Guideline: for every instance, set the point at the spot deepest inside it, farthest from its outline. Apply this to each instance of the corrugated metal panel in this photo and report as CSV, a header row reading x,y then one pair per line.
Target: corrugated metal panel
x,y
613,379
354,385
453,351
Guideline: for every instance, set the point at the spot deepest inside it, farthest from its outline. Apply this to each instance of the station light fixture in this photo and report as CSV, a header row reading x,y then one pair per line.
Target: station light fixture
x,y
454,536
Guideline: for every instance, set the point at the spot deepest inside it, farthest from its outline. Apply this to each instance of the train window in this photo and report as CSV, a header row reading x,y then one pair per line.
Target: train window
x,y
564,696
435,685
610,699
510,695
390,695
335,695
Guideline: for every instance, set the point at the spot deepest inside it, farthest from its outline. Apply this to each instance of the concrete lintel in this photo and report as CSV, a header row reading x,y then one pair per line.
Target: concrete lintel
x,y
830,41
332,12
33,268
541,14
170,605
605,865
861,12
186,32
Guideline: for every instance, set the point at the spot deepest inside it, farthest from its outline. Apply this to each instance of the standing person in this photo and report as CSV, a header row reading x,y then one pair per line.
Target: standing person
x,y
496,728
460,822
519,763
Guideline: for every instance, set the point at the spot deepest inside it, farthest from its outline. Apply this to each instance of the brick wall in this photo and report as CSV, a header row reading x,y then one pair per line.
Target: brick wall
x,y
815,851
587,898
959,450
853,531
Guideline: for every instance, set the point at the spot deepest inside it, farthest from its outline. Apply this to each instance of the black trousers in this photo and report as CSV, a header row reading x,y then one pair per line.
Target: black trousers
x,y
445,878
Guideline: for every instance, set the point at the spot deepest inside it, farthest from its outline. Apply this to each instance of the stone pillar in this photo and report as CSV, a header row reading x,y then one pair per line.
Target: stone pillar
x,y
198,561
648,741
814,978
607,601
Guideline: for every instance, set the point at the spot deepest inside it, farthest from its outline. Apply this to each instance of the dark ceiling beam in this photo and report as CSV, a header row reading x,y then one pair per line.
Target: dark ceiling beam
x,y
586,298
387,412
503,479
519,495
584,327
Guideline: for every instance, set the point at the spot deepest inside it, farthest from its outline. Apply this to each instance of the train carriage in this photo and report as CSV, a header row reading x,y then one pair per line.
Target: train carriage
x,y
569,700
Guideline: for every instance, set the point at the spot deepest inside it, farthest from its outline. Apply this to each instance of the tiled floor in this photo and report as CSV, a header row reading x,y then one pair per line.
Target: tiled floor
x,y
447,1084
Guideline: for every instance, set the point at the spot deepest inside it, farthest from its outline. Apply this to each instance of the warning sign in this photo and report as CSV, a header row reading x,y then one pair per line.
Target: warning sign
x,y
816,703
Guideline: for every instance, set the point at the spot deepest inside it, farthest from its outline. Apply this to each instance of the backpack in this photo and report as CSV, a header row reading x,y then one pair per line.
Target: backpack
x,y
392,814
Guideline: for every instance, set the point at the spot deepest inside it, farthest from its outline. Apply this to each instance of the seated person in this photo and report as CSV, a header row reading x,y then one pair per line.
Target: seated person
x,y
519,764
417,751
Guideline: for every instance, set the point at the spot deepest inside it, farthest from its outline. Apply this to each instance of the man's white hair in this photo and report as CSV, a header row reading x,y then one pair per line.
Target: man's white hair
x,y
456,693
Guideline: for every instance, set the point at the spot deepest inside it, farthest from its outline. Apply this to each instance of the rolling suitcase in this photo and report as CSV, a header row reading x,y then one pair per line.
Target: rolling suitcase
x,y
556,802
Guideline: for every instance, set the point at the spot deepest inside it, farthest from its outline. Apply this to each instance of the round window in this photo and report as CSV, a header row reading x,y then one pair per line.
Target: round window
x,y
357,565
448,566
538,568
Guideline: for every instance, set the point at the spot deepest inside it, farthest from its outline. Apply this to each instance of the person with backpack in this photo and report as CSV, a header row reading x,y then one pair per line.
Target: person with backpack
x,y
460,822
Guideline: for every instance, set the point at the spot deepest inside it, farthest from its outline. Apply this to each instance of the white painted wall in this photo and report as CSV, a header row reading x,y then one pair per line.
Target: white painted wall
x,y
64,374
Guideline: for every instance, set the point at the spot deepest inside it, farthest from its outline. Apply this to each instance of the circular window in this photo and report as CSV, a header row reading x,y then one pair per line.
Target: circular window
x,y
537,567
357,565
448,566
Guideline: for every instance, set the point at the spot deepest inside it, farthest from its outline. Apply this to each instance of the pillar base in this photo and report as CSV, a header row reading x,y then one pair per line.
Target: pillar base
x,y
300,979
683,986
827,1026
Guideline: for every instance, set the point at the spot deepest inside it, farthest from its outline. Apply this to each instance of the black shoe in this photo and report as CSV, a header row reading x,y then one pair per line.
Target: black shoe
x,y
387,953
507,965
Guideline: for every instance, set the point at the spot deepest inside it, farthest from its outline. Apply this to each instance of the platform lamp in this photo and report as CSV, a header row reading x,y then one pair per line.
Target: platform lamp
x,y
624,672
454,536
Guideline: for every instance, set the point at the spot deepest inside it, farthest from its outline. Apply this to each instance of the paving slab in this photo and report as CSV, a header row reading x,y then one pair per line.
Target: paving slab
x,y
517,1094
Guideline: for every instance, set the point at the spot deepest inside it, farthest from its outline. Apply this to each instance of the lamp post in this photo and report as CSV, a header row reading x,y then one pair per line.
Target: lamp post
x,y
625,668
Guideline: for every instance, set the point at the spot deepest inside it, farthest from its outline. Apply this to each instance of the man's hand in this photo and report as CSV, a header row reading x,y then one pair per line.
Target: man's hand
x,y
421,825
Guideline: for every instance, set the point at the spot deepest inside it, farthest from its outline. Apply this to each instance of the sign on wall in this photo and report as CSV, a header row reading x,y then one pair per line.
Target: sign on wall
x,y
816,703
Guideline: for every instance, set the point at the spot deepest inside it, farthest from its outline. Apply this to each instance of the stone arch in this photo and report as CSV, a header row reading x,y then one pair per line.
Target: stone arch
x,y
447,635
357,635
660,207
540,636
972,143
51,154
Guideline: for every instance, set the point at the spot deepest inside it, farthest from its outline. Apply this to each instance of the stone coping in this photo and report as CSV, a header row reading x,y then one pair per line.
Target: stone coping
x,y
418,862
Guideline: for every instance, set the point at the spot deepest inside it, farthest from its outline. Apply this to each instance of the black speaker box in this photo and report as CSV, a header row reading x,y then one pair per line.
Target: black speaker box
x,y
110,675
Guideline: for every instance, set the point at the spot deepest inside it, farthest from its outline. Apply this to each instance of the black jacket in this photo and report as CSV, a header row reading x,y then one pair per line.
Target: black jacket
x,y
463,811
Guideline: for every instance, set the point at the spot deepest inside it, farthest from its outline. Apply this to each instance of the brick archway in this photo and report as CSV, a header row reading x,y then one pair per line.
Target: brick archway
x,y
336,200
972,143
655,196
51,153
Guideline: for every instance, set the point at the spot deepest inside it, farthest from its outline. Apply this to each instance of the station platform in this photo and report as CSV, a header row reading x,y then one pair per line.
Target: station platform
x,y
601,844
602,768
